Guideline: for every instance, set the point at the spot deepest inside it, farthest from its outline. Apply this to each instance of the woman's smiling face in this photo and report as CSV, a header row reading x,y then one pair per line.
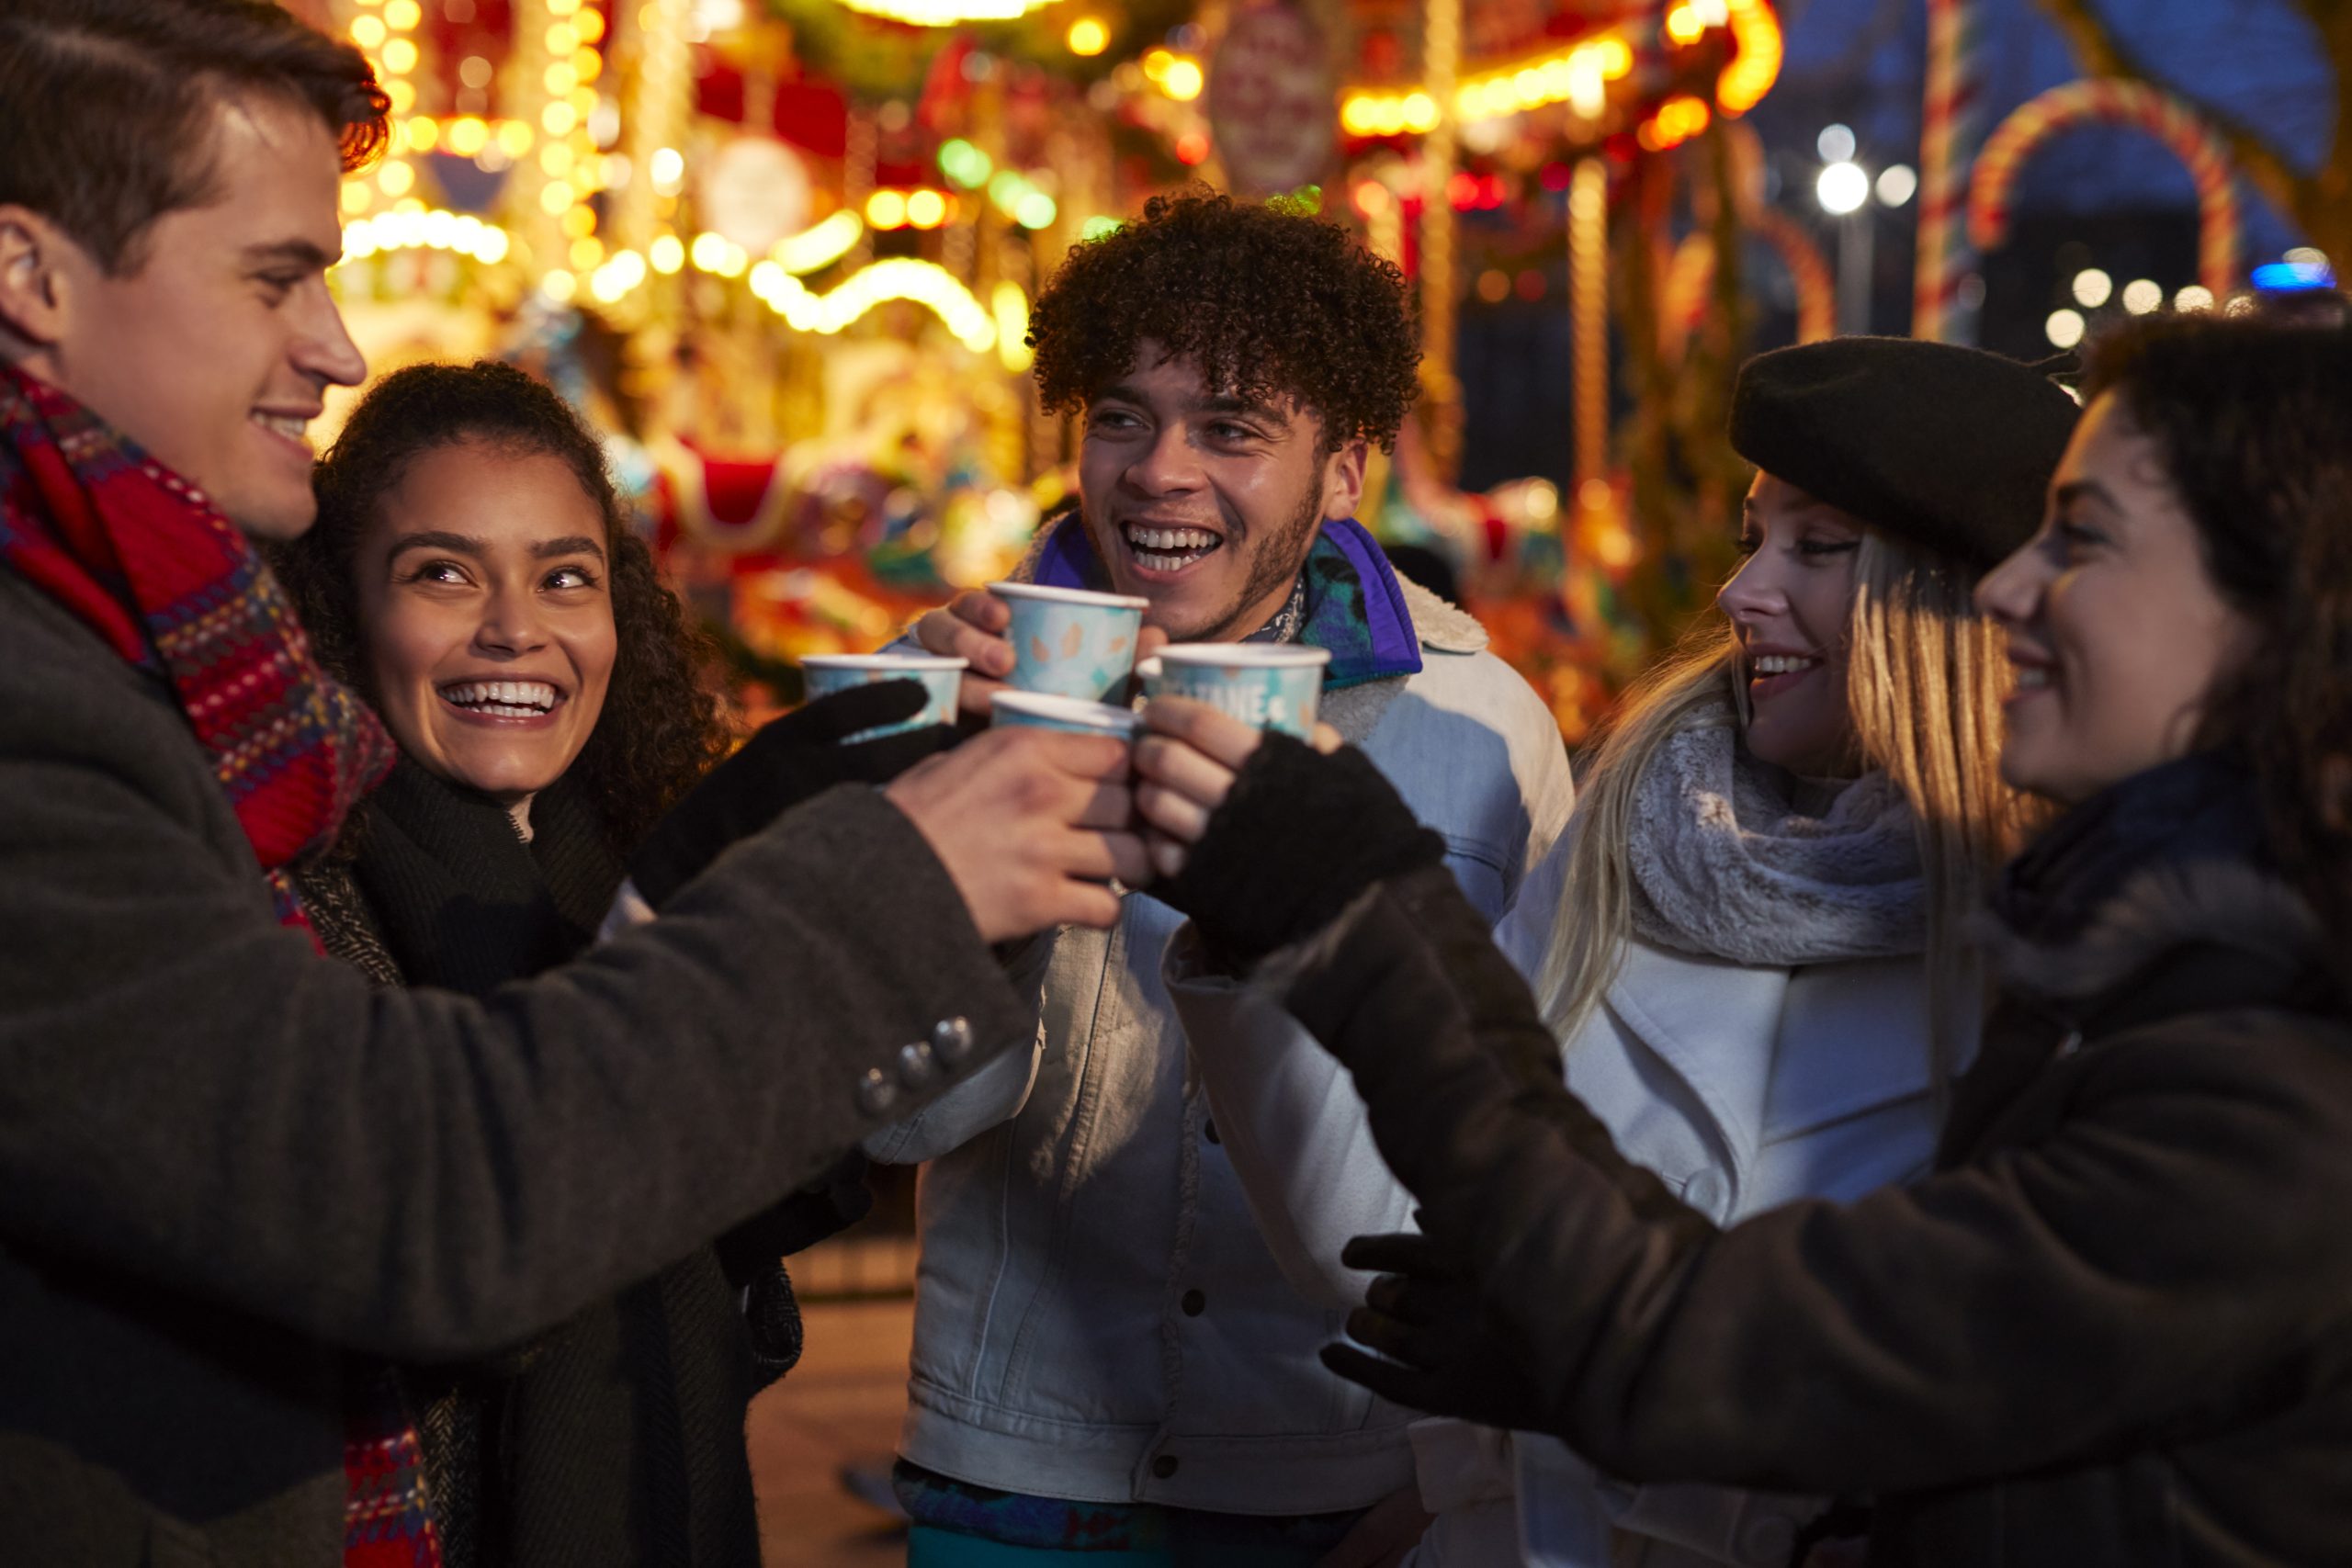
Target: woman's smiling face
x,y
2116,628
486,618
1790,603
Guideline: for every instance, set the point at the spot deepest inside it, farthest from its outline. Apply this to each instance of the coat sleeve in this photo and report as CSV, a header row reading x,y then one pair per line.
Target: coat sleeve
x,y
189,1094
1286,1112
2163,1262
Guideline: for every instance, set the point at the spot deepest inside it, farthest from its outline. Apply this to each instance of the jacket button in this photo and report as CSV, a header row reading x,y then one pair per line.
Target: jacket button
x,y
876,1092
951,1039
1164,1466
914,1064
1195,1303
1208,1130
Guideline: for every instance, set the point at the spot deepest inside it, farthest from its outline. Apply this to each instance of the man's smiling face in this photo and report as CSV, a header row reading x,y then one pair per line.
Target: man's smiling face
x,y
214,348
1203,504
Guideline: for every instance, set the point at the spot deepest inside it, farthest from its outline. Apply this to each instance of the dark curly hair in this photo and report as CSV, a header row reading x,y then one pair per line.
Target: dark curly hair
x,y
662,726
2254,419
1268,299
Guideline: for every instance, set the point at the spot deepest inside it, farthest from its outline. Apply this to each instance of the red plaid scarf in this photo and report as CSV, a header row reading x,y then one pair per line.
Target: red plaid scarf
x,y
172,586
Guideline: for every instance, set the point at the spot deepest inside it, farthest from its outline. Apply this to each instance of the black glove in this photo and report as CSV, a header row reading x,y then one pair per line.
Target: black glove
x,y
1300,835
1446,1352
789,761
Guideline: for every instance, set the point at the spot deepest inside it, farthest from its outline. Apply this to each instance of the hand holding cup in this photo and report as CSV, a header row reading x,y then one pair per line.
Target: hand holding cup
x,y
1030,823
1186,764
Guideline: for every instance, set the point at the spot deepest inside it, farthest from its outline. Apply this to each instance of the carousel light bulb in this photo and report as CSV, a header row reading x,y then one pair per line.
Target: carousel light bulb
x,y
1088,35
403,15
1897,184
2064,329
1184,80
515,137
2143,294
2091,288
926,208
368,32
394,178
399,57
667,254
2196,297
667,169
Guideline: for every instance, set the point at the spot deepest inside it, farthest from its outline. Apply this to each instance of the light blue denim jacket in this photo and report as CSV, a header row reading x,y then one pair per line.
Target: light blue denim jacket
x,y
1097,1316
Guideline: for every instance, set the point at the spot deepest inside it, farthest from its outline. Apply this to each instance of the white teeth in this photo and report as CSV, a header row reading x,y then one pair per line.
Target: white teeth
x,y
1165,541
293,429
2032,677
1782,663
508,699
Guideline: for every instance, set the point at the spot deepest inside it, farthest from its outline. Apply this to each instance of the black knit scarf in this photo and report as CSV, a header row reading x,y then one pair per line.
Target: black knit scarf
x,y
616,1440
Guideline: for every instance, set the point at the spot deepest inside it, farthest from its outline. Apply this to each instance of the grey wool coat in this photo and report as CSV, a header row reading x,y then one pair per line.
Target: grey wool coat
x,y
228,1167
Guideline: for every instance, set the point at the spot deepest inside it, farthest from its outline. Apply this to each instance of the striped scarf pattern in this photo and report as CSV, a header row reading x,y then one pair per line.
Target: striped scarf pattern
x,y
152,568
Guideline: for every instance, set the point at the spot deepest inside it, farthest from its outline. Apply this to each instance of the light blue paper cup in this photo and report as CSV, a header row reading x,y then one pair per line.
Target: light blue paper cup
x,y
942,678
1070,643
1074,716
1267,685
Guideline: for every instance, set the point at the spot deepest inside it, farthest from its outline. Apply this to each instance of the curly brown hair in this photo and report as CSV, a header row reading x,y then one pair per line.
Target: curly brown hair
x,y
1268,300
2254,419
664,725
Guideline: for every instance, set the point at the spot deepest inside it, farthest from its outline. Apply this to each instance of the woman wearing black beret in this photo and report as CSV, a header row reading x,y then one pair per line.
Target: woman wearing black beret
x,y
2112,1326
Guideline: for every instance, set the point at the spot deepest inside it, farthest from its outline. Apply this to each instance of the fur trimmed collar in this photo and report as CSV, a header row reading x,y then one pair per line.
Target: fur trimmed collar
x,y
2223,904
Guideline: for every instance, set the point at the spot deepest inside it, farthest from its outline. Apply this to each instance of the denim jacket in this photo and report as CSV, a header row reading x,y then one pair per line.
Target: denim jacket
x,y
1097,1316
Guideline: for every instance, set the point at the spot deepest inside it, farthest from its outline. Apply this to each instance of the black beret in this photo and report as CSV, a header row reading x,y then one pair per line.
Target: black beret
x,y
1951,447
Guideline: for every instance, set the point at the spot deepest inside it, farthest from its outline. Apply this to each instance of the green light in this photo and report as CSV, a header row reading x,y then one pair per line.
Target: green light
x,y
1098,226
1007,189
965,164
1035,211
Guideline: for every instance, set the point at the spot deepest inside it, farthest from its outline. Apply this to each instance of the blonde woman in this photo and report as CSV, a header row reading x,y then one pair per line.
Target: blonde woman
x,y
1752,940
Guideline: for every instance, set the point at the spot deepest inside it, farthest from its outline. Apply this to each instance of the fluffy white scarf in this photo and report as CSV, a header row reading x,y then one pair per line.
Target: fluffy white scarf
x,y
1725,866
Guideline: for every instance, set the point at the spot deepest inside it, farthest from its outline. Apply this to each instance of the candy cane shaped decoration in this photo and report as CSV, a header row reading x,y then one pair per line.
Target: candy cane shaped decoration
x,y
1693,269
1952,119
2107,101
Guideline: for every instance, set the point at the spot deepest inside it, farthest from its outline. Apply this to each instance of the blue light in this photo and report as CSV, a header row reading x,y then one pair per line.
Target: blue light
x,y
2292,277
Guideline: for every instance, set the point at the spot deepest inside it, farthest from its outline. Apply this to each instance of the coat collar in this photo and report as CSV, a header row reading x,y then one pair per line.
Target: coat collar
x,y
1717,1026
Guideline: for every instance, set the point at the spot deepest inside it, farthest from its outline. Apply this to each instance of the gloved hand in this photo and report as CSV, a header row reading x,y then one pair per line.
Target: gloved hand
x,y
1298,836
789,761
1445,1351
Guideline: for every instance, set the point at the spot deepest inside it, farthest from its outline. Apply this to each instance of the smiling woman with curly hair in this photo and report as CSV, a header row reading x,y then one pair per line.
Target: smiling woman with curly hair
x,y
471,574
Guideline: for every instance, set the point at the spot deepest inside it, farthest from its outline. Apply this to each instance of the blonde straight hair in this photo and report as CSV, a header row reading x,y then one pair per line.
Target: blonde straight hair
x,y
1925,675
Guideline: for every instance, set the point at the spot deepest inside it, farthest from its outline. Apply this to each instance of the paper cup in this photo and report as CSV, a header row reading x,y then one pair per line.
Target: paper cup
x,y
1070,643
1043,710
942,680
1269,685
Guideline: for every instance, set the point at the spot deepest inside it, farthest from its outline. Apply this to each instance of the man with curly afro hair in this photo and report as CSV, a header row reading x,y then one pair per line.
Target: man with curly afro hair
x,y
1122,1296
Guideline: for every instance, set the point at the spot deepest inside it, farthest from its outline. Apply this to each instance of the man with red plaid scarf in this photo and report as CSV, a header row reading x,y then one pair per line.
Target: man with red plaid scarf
x,y
235,1185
